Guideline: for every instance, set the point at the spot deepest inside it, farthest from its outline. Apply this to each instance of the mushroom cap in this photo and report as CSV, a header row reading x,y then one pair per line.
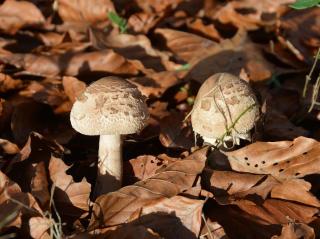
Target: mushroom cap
x,y
110,105
224,103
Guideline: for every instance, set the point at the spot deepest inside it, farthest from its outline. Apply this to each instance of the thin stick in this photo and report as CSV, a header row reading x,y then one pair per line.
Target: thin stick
x,y
308,77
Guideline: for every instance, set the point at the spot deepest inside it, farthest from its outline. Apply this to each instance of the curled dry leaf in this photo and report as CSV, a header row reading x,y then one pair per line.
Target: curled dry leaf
x,y
73,87
39,226
17,14
282,159
250,14
134,47
70,63
117,207
152,6
70,196
188,211
83,11
228,187
186,46
15,204
294,230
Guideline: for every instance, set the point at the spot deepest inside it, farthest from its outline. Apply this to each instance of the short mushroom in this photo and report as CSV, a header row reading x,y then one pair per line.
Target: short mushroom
x,y
109,107
225,109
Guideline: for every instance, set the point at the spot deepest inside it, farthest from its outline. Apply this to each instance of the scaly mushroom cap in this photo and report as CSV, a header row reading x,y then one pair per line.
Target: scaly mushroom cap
x,y
224,103
110,105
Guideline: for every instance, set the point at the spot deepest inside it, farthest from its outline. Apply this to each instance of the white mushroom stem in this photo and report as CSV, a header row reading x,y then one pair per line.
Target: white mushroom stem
x,y
109,177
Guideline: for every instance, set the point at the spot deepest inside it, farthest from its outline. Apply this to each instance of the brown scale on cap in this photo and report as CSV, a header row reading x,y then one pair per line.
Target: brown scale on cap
x,y
224,109
110,105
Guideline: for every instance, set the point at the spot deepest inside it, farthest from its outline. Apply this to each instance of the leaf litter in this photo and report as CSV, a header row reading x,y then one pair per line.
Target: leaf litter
x,y
174,186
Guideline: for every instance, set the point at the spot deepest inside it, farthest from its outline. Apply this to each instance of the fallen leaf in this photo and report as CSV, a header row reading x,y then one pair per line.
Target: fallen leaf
x,y
282,159
187,210
295,190
17,14
295,231
83,11
39,226
142,167
250,14
186,46
117,207
157,6
73,87
70,196
70,64
273,211
8,147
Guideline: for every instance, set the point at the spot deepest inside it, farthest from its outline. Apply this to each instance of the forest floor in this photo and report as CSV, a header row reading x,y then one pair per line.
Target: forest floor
x,y
50,51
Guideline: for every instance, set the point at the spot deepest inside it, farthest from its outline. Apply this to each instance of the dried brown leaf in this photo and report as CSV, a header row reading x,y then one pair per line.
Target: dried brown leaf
x,y
295,231
250,14
70,196
14,203
8,147
39,226
142,167
282,159
73,87
273,211
186,46
153,6
17,14
70,63
118,207
83,11
295,190
187,210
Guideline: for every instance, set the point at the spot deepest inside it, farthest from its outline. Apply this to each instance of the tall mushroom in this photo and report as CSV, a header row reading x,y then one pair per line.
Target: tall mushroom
x,y
109,107
225,109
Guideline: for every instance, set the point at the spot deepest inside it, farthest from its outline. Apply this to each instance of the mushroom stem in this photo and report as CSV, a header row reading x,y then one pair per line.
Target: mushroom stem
x,y
109,177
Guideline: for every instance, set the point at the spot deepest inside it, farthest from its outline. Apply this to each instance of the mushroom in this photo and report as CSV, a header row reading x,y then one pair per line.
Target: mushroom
x,y
109,107
225,109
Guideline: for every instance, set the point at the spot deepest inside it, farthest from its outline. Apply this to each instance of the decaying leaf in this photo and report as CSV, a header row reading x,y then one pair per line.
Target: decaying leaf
x,y
294,230
282,159
70,64
118,207
73,87
17,14
70,196
251,14
84,11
